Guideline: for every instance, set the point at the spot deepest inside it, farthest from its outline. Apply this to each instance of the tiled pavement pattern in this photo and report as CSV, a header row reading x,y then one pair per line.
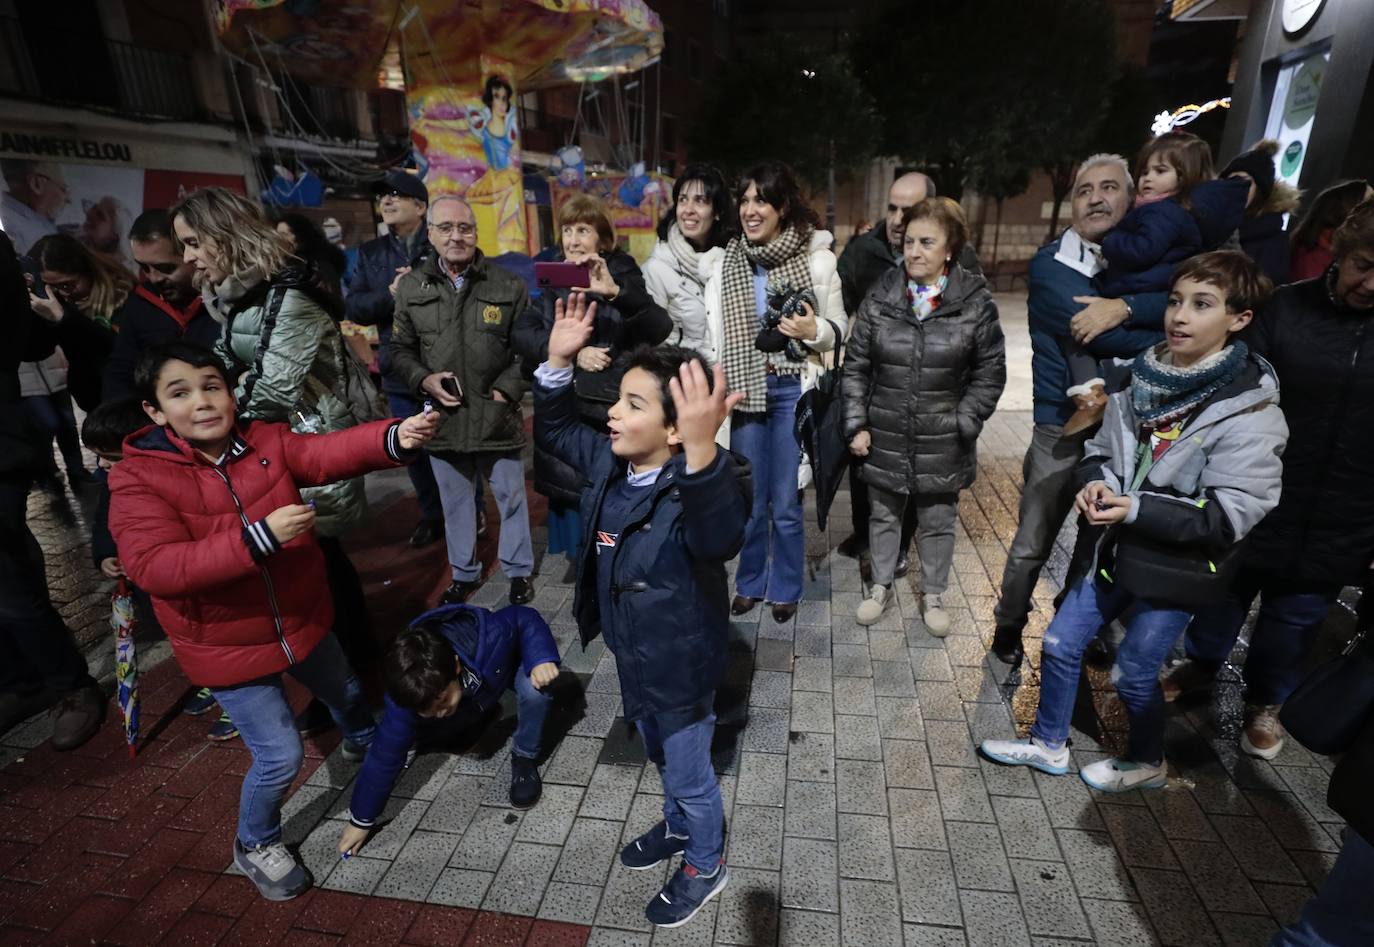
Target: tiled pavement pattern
x,y
858,812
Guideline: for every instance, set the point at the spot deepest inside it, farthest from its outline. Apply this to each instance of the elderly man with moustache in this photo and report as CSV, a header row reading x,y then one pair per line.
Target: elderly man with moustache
x,y
1062,302
451,345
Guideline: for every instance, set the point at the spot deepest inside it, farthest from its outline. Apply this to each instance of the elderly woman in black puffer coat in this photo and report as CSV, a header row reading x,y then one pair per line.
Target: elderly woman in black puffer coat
x,y
923,370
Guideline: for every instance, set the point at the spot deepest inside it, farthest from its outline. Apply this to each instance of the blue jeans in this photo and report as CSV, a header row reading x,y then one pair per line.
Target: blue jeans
x,y
1288,622
692,805
531,710
774,552
1339,915
260,711
55,418
421,474
1150,633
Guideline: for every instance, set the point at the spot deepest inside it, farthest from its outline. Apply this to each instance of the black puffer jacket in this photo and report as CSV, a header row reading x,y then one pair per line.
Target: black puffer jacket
x,y
1323,528
633,319
923,389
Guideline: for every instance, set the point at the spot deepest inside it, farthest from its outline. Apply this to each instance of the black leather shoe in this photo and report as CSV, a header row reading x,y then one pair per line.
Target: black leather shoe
x,y
742,604
783,613
457,593
521,590
1006,645
902,568
426,533
853,546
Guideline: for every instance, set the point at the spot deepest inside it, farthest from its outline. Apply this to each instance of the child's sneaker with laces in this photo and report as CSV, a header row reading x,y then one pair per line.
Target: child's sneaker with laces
x,y
202,701
1030,752
651,848
222,730
684,895
275,871
1263,734
1113,775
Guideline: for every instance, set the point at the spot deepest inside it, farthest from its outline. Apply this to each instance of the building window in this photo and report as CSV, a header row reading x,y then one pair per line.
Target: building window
x,y
694,60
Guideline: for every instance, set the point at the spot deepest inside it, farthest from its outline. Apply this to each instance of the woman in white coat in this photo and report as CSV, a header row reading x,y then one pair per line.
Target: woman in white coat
x,y
780,245
701,218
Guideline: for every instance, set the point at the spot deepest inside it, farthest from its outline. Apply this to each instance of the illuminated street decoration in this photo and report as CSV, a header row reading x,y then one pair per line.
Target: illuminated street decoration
x,y
1168,121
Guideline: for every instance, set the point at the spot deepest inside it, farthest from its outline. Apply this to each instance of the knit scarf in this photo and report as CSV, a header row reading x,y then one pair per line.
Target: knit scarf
x,y
785,257
220,297
1163,393
688,258
925,299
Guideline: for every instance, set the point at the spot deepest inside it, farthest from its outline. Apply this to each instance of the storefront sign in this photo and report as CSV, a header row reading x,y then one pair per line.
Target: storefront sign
x,y
53,146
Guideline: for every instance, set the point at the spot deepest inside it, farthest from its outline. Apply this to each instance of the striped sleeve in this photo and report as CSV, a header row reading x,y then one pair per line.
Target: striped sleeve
x,y
259,540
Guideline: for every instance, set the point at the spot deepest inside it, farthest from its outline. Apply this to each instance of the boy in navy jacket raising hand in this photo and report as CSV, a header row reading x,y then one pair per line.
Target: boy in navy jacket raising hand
x,y
665,511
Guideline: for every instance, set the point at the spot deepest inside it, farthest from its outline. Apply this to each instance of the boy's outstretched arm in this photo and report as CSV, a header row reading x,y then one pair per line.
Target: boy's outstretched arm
x,y
316,459
386,759
557,427
715,503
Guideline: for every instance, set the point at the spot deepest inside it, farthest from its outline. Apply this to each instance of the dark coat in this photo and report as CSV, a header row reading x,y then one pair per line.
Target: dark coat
x,y
1323,527
671,593
369,301
466,331
923,389
1264,240
147,320
633,319
494,647
25,341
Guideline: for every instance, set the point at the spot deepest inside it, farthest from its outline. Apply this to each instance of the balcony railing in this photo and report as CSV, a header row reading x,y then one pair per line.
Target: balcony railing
x,y
87,69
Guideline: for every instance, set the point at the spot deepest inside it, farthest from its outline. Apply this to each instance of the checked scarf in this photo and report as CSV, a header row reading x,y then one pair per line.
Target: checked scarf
x,y
786,259
1163,394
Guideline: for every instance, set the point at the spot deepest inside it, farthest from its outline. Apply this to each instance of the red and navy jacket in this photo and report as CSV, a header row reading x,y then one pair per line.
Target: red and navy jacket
x,y
236,603
145,320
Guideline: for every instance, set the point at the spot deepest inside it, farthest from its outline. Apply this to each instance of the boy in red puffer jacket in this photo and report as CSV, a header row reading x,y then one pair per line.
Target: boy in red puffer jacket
x,y
208,519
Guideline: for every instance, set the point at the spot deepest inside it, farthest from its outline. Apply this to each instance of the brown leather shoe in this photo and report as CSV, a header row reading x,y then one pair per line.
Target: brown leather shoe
x,y
783,612
78,717
742,604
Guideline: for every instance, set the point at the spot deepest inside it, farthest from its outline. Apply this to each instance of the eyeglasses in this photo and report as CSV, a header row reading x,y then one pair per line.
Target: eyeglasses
x,y
447,229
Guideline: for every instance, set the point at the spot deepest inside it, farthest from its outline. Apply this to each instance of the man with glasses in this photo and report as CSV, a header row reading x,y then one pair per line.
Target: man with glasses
x,y
35,194
451,345
164,307
371,301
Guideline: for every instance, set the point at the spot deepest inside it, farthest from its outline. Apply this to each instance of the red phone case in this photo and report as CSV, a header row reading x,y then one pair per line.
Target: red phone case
x,y
560,275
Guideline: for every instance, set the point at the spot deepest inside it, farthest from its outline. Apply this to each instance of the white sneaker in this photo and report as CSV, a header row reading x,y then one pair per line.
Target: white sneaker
x,y
1113,775
871,609
1030,753
936,619
1263,734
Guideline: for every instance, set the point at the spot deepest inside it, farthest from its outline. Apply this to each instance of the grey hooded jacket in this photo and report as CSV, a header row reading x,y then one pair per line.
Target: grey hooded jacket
x,y
1219,479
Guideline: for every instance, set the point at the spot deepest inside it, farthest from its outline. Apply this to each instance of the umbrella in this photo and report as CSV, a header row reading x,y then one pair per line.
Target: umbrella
x,y
820,433
123,622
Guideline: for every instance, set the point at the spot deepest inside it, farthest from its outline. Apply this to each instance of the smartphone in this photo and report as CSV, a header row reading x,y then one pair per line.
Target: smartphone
x,y
560,275
33,276
451,386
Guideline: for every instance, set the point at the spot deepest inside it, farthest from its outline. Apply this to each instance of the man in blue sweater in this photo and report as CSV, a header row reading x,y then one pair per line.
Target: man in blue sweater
x,y
1062,302
445,674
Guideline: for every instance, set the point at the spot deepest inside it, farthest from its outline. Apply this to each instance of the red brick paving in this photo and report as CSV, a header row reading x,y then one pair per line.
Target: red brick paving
x,y
96,848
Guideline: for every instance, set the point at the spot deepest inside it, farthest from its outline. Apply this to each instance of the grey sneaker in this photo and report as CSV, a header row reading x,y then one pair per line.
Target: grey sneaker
x,y
1029,752
871,609
1113,775
933,613
273,869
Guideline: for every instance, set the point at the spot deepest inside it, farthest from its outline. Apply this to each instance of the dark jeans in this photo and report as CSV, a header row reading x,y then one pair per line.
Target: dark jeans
x,y
1290,616
38,646
1339,915
692,804
421,474
54,417
352,624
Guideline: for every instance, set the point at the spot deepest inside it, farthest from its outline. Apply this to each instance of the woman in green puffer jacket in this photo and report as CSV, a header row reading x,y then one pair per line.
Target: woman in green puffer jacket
x,y
282,342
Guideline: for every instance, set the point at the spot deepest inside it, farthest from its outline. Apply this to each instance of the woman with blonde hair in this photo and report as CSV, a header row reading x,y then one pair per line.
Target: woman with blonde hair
x,y
626,316
81,295
282,343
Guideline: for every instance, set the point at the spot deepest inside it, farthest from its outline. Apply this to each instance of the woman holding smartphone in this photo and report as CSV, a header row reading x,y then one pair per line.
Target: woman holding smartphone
x,y
626,316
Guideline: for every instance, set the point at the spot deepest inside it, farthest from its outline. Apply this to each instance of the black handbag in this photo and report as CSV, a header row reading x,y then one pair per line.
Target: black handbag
x,y
1193,577
1335,702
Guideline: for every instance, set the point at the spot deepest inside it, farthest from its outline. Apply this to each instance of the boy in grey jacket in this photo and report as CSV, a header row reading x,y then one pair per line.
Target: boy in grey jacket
x,y
1186,462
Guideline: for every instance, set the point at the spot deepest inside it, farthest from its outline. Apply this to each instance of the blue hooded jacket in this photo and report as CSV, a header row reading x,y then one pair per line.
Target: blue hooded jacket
x,y
493,647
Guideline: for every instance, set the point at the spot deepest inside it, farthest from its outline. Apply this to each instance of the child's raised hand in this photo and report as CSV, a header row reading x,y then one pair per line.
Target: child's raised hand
x,y
701,409
542,675
288,522
572,327
418,430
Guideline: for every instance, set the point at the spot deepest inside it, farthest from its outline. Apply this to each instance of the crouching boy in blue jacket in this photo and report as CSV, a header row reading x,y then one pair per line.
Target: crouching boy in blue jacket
x,y
444,674
665,510
1186,462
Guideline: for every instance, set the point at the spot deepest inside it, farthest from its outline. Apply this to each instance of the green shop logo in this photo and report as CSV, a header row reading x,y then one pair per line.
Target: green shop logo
x,y
1291,160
